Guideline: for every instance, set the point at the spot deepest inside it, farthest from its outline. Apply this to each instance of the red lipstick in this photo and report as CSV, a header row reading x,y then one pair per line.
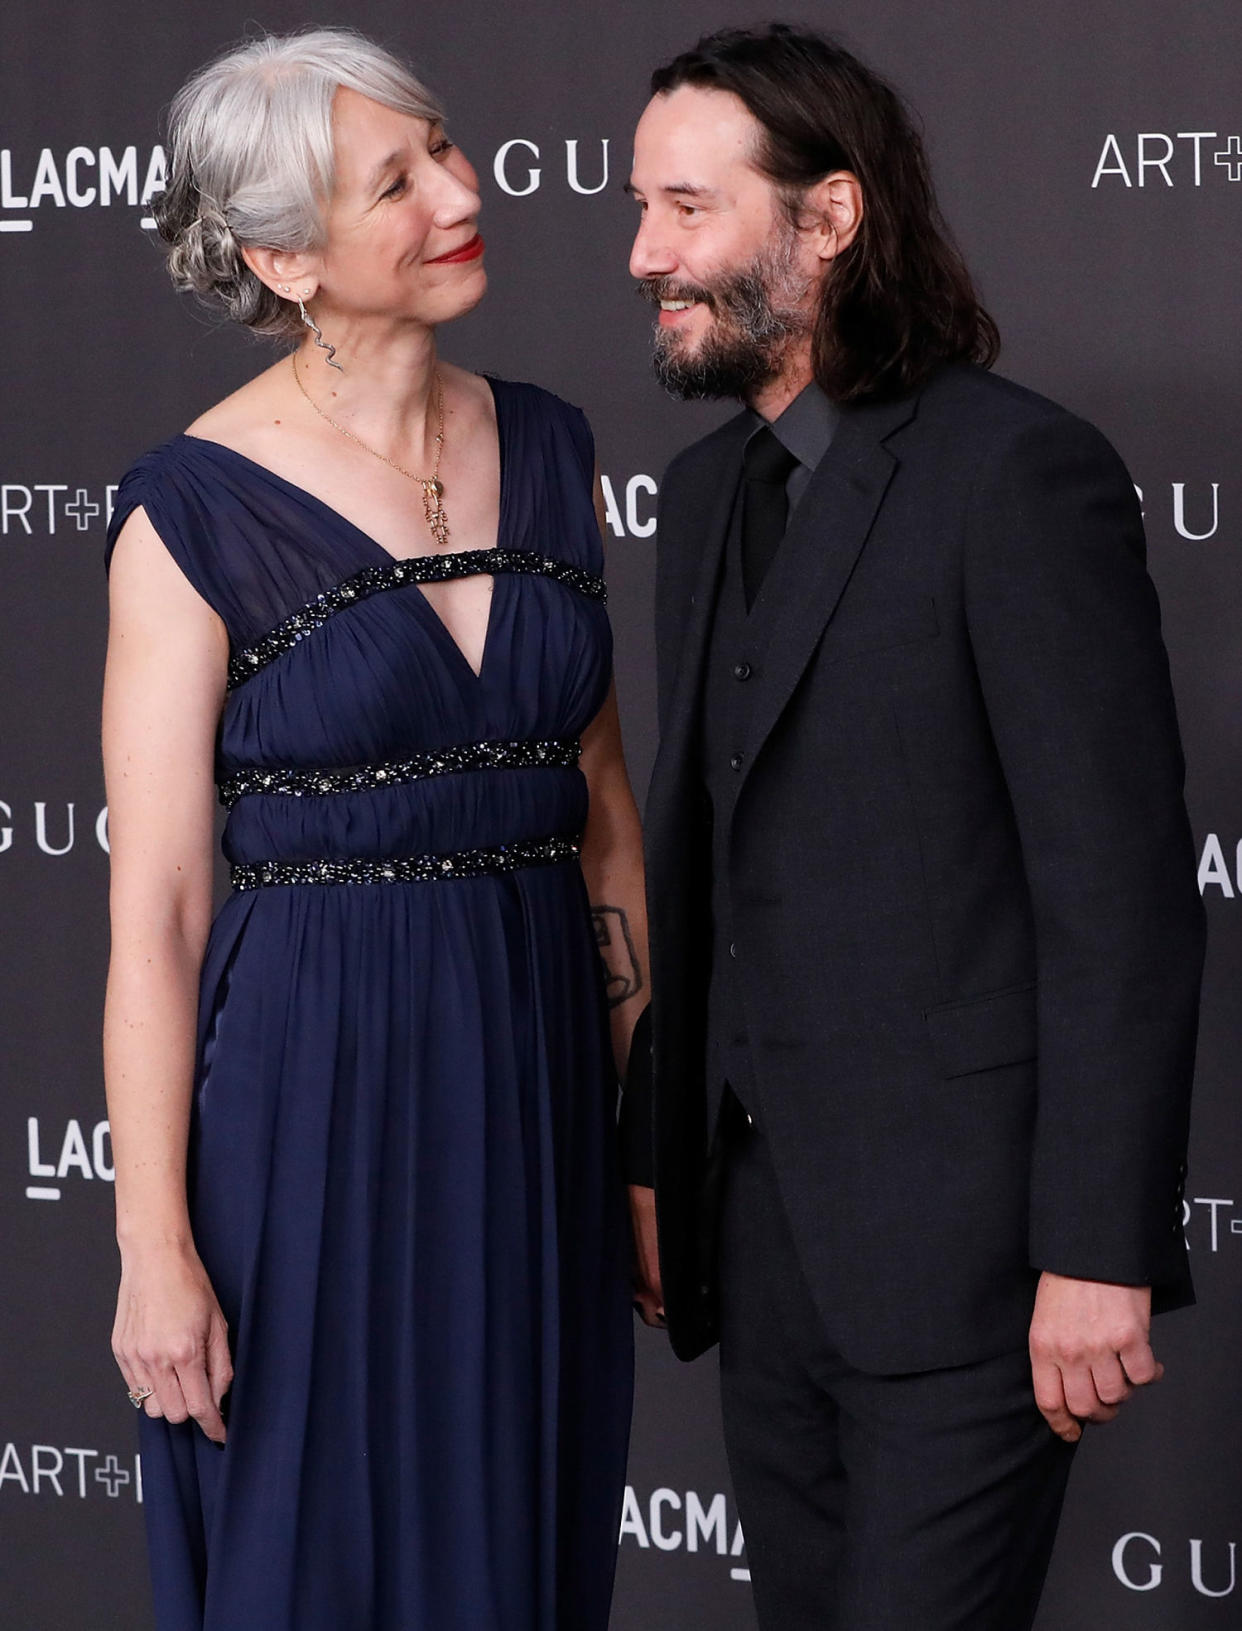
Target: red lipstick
x,y
468,252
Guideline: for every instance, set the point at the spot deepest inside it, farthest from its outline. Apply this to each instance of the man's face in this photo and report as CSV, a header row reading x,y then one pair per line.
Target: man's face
x,y
715,249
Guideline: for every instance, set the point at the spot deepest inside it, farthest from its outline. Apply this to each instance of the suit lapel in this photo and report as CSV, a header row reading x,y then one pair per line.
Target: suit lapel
x,y
817,556
718,486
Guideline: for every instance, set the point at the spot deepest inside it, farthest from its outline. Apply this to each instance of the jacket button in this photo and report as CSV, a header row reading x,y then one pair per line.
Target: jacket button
x,y
742,671
736,762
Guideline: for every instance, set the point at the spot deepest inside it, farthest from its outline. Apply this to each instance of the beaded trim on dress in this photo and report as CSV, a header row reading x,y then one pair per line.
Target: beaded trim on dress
x,y
554,755
467,863
374,580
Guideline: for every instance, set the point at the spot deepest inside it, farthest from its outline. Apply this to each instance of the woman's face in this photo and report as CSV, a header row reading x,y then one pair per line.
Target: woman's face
x,y
402,225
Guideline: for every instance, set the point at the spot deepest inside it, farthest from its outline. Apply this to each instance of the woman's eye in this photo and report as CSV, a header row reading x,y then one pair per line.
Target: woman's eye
x,y
442,147
395,191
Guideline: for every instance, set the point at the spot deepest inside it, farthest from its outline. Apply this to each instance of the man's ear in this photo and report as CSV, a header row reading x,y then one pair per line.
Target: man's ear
x,y
832,212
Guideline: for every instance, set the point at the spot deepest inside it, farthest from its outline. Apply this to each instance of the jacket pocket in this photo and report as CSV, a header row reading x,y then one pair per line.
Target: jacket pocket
x,y
985,1032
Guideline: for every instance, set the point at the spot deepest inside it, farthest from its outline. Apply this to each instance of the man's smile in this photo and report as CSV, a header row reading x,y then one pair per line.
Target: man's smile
x,y
673,312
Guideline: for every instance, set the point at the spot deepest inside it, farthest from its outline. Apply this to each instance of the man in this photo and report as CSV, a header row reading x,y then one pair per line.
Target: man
x,y
926,937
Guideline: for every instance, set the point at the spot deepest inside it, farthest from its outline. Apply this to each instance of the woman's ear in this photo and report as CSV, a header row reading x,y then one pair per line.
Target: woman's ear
x,y
292,277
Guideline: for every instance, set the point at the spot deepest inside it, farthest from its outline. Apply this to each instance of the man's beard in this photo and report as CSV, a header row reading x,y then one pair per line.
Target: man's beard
x,y
755,316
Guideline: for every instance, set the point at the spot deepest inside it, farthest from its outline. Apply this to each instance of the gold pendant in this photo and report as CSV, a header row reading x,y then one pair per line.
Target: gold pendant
x,y
437,520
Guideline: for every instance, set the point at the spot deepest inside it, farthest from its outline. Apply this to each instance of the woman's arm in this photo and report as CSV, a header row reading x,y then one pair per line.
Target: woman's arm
x,y
612,863
163,691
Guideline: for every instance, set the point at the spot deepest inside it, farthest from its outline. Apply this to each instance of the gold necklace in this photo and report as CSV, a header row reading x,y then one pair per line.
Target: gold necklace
x,y
432,486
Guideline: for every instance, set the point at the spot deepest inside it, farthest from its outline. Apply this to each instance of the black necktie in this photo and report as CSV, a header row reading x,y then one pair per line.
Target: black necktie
x,y
765,507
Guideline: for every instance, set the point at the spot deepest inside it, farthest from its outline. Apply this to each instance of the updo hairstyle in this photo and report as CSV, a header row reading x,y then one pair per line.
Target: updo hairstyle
x,y
251,163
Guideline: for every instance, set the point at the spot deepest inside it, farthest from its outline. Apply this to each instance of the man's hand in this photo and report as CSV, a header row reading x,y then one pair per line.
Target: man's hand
x,y
1089,1350
648,1293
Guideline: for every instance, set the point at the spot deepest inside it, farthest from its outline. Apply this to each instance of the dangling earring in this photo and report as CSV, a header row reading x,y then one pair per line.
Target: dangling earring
x,y
318,333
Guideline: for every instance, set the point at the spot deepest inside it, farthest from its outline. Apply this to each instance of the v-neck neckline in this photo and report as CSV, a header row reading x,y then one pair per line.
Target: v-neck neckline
x,y
387,556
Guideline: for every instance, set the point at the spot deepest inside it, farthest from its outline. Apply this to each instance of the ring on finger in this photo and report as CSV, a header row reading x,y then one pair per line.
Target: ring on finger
x,y
136,1396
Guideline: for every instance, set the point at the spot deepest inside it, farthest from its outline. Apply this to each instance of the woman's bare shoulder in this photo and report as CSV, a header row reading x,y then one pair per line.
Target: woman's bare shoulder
x,y
241,417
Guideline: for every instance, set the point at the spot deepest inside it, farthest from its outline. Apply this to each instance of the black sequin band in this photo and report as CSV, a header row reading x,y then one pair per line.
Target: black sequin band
x,y
466,863
374,580
557,755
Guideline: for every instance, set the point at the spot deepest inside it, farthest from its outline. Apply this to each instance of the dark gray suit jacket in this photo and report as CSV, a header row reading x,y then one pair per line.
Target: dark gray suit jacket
x,y
962,879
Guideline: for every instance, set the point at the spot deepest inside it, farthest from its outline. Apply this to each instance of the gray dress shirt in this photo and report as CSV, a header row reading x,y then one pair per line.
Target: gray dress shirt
x,y
806,429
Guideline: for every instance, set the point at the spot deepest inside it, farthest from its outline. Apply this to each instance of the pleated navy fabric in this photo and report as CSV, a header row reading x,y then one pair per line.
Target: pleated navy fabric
x,y
403,1173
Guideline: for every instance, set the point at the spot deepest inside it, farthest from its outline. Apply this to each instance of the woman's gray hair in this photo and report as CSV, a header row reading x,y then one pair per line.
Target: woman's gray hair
x,y
251,162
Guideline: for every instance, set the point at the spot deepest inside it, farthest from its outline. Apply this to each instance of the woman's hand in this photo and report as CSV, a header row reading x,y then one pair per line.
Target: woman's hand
x,y
648,1292
170,1335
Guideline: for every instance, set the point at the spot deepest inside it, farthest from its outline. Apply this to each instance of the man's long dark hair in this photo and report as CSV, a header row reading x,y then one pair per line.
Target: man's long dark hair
x,y
899,300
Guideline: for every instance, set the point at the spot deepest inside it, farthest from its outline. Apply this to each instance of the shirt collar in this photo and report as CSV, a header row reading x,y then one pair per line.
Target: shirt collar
x,y
807,425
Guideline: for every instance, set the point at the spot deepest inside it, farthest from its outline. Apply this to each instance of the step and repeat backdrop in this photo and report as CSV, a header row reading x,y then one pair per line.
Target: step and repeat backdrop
x,y
1090,160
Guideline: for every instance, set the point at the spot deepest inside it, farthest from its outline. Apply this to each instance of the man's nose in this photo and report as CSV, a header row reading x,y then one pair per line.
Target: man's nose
x,y
649,257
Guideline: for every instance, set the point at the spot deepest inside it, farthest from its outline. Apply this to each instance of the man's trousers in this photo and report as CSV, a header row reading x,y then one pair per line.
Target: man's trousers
x,y
925,1502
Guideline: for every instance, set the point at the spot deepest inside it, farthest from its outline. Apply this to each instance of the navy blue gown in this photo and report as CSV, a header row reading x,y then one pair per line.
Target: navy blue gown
x,y
403,1178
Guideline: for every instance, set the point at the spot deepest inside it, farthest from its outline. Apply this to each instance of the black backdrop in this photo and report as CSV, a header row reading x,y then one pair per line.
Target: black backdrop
x,y
1090,159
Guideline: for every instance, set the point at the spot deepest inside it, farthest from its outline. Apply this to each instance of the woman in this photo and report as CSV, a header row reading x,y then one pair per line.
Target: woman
x,y
373,1296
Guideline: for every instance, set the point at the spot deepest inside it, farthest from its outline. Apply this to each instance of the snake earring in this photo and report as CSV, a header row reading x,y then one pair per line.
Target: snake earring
x,y
319,339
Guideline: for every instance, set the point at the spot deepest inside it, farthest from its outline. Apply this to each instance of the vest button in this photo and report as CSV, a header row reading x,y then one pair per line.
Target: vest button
x,y
742,671
736,762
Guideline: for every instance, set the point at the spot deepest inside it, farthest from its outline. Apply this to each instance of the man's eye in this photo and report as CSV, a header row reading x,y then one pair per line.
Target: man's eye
x,y
687,209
